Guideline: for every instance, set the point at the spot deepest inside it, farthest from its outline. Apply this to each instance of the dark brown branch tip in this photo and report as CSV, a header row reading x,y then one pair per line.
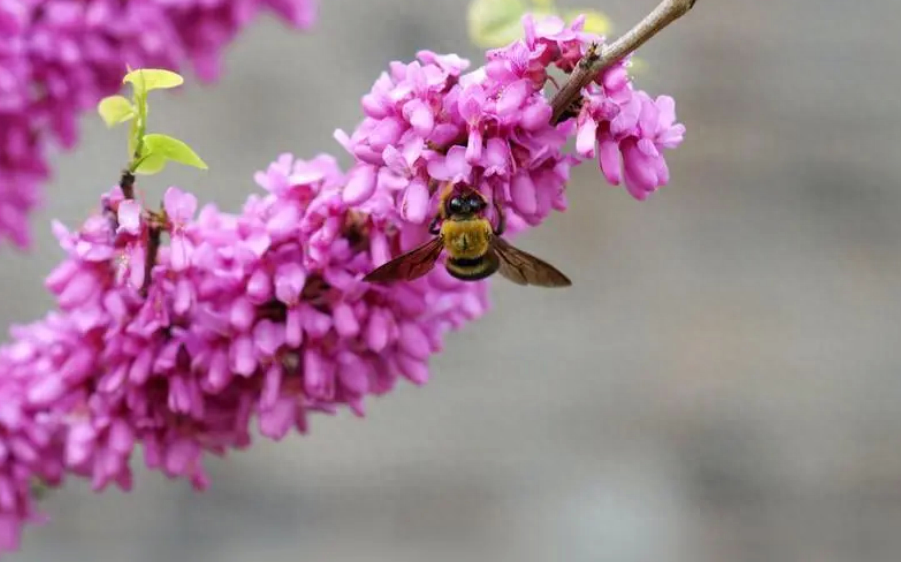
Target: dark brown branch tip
x,y
127,184
153,248
111,218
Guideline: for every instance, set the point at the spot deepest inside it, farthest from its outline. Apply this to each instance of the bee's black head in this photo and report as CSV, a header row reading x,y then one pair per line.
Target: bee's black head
x,y
465,204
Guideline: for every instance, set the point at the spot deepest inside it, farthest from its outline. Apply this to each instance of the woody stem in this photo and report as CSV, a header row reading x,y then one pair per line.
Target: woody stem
x,y
153,248
594,63
127,184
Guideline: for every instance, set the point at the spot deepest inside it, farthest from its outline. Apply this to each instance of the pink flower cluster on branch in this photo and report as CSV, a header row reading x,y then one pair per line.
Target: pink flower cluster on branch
x,y
58,58
257,319
427,122
257,315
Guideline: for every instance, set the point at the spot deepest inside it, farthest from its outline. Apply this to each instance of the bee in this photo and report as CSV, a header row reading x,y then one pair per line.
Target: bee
x,y
474,246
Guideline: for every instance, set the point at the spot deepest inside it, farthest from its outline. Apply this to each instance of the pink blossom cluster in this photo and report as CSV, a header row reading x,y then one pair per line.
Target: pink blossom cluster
x,y
427,122
58,58
257,316
629,131
252,321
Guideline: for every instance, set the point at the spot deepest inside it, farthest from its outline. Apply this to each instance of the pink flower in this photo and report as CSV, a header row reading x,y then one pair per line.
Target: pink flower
x,y
453,167
631,130
548,42
180,208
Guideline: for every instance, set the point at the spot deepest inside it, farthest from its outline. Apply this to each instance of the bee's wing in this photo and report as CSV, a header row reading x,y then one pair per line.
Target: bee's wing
x,y
407,267
525,269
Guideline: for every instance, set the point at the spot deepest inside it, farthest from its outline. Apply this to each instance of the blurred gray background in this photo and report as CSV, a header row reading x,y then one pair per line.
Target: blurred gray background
x,y
720,384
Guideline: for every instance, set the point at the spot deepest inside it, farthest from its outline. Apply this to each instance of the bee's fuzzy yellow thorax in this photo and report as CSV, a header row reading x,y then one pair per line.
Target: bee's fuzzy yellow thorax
x,y
467,238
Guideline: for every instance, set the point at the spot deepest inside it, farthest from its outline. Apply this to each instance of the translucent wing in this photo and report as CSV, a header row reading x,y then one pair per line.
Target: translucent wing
x,y
525,269
407,267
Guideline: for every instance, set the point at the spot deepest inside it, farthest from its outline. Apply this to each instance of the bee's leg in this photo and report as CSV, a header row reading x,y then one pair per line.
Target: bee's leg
x,y
434,227
501,218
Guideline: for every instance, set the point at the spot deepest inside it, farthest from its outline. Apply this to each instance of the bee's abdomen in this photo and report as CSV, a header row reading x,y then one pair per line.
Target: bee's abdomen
x,y
472,269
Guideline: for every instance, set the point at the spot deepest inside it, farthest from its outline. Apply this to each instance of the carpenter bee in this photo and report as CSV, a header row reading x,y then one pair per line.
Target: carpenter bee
x,y
474,246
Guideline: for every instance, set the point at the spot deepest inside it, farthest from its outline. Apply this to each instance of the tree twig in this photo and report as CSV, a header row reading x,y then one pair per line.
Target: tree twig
x,y
593,62
127,184
153,248
156,224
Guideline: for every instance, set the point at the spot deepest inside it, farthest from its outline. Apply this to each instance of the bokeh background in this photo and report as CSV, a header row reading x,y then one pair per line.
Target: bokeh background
x,y
720,383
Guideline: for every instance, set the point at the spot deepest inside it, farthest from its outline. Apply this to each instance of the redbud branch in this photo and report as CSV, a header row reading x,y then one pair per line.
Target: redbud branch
x,y
593,62
153,248
127,184
156,224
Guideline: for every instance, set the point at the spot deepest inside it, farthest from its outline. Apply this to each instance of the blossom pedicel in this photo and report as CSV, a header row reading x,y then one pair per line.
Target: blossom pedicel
x,y
263,317
58,58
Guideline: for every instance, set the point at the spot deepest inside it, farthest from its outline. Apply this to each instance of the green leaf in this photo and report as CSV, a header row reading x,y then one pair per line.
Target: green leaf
x,y
173,149
637,66
145,79
595,21
115,110
495,23
150,164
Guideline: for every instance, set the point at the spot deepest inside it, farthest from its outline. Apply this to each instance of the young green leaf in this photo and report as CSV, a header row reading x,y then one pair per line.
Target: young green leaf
x,y
173,149
494,23
637,66
595,21
115,110
146,79
150,164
